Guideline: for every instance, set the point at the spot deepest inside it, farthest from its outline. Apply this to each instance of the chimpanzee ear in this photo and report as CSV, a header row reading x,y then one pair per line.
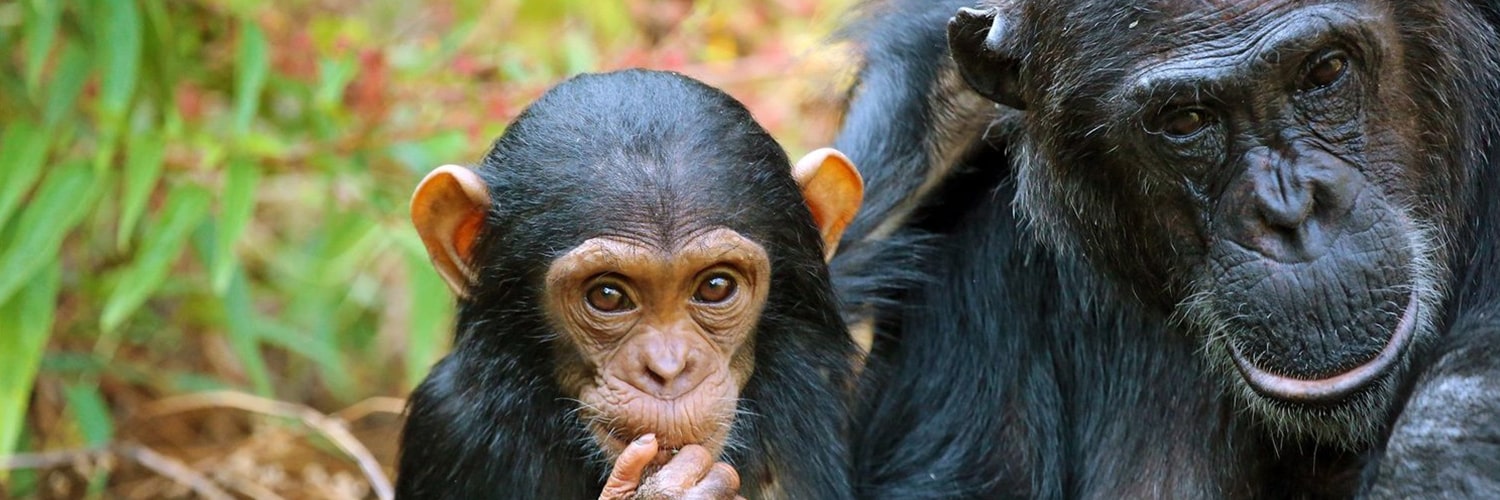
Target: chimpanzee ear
x,y
448,209
833,190
980,43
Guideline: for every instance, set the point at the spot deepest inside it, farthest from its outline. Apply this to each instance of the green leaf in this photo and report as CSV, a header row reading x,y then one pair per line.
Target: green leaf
x,y
421,156
23,338
239,319
41,29
196,382
607,20
91,413
119,56
333,76
325,354
66,83
579,53
185,207
161,69
234,213
64,197
352,240
23,147
251,65
454,39
143,165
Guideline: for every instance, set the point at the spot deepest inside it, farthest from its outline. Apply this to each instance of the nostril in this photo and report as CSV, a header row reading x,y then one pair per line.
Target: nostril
x,y
1335,195
656,380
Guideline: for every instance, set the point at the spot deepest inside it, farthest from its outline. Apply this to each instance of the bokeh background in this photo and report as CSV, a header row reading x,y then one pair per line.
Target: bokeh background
x,y
208,282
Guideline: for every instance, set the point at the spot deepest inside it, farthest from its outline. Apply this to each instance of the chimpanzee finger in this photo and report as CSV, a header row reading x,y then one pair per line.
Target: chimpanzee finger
x,y
680,473
626,475
721,483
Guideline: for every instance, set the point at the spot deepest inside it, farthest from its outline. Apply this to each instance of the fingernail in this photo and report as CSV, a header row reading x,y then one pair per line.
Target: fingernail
x,y
645,439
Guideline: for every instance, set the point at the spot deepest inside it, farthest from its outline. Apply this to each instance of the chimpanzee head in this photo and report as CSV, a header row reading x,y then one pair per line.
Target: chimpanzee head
x,y
641,244
1280,175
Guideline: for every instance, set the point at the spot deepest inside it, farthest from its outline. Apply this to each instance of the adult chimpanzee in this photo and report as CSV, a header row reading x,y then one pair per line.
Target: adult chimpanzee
x,y
637,272
1198,249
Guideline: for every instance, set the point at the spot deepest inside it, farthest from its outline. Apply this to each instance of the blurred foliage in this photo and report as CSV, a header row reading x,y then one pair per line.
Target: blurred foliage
x,y
212,195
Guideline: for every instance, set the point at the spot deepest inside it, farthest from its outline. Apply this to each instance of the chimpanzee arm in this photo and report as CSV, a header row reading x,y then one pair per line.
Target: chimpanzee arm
x,y
1446,441
911,116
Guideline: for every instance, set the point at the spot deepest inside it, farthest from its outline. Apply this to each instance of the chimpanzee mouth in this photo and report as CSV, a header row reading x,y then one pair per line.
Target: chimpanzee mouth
x,y
1337,387
617,445
614,440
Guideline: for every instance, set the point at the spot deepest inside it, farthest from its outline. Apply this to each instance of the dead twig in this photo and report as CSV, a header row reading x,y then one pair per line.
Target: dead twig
x,y
173,469
49,459
248,488
163,465
368,406
332,428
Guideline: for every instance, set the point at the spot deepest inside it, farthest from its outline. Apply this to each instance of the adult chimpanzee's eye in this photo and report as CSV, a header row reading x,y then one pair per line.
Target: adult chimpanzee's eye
x,y
608,297
717,287
1326,70
1184,122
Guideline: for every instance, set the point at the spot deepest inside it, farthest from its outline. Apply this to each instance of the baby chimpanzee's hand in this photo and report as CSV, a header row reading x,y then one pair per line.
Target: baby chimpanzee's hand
x,y
691,474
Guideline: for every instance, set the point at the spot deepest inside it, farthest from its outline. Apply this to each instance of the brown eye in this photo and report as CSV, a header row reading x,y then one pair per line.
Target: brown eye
x,y
609,298
1328,70
1184,122
716,288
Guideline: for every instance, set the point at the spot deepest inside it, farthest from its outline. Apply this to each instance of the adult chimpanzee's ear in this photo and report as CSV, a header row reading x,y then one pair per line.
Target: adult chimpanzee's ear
x,y
448,209
979,42
833,190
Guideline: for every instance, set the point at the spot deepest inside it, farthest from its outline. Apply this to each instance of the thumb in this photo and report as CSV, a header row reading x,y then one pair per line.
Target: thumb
x,y
626,476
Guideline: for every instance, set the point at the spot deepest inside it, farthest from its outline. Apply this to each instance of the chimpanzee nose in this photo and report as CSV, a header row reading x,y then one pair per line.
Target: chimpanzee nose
x,y
1288,209
667,366
1285,201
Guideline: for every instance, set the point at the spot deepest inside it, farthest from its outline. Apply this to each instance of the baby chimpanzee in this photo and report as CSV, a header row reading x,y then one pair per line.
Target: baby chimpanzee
x,y
642,284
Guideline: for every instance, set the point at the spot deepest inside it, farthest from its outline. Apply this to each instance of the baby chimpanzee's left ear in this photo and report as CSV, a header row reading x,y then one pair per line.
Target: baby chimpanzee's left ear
x,y
833,190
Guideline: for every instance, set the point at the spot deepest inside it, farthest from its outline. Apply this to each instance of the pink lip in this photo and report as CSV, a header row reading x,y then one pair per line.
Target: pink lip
x,y
1333,388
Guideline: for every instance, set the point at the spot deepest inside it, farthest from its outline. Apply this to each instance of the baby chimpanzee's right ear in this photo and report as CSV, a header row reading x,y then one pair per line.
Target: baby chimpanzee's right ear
x,y
448,210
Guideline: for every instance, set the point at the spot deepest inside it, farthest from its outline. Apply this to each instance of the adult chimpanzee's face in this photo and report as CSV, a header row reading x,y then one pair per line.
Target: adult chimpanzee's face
x,y
1254,166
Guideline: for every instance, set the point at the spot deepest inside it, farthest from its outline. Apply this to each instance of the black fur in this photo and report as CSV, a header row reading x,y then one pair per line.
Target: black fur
x,y
668,153
1017,369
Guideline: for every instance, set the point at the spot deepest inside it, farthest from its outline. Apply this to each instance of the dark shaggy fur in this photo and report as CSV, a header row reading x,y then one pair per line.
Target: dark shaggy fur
x,y
1022,367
